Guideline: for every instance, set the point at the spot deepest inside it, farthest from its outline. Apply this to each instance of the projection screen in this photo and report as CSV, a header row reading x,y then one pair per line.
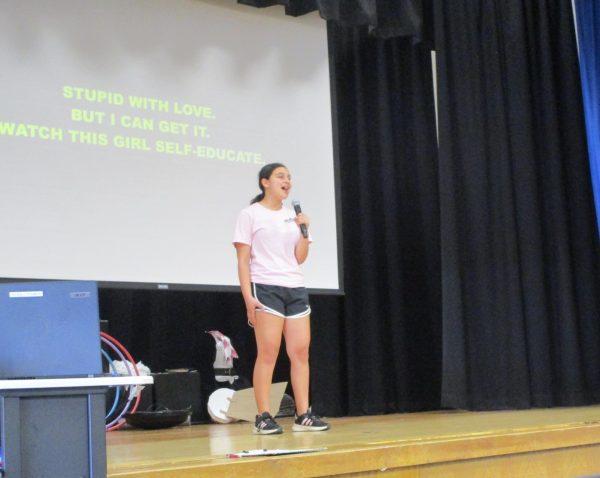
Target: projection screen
x,y
132,132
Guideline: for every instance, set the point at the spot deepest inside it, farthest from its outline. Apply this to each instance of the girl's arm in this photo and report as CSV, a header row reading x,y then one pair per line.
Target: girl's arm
x,y
243,258
301,250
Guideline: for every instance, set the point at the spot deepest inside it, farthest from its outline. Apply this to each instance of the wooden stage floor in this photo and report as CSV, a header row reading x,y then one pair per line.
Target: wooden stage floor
x,y
557,442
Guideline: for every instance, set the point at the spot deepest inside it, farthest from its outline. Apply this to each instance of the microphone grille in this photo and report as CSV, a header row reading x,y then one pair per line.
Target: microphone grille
x,y
295,202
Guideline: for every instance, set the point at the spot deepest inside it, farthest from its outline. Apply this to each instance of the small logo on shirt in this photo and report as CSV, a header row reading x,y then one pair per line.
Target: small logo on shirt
x,y
289,219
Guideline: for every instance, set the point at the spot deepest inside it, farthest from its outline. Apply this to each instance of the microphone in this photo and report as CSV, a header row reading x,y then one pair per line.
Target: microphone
x,y
298,210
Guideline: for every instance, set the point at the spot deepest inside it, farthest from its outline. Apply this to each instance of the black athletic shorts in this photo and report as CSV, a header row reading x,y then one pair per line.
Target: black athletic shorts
x,y
286,302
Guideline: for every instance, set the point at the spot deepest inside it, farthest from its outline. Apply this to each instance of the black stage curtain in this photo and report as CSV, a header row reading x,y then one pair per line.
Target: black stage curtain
x,y
383,18
520,253
376,349
388,163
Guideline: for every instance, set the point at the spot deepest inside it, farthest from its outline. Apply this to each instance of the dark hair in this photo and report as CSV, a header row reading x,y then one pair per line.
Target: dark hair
x,y
265,173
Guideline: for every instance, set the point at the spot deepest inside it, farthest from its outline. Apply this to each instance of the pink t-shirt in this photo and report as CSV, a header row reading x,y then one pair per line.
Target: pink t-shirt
x,y
272,237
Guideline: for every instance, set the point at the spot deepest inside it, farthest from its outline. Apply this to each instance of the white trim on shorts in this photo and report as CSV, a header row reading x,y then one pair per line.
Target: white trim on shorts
x,y
301,314
264,307
268,310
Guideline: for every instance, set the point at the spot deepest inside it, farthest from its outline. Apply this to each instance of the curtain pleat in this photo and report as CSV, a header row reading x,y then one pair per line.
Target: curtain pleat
x,y
388,170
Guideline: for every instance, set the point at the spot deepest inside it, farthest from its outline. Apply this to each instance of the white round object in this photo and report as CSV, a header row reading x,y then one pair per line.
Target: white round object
x,y
218,404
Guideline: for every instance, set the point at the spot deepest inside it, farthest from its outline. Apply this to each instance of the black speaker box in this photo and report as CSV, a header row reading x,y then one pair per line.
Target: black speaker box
x,y
177,390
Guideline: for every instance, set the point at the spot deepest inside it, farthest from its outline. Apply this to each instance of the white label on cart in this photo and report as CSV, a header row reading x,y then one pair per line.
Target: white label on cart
x,y
26,293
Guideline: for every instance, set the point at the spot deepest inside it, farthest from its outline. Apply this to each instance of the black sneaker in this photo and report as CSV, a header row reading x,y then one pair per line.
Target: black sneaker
x,y
266,425
309,422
